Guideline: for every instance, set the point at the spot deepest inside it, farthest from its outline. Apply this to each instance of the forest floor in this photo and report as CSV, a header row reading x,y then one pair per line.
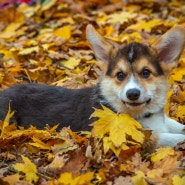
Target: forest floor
x,y
46,43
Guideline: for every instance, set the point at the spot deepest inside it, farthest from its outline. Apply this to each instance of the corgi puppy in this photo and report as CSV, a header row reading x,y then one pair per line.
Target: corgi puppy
x,y
134,80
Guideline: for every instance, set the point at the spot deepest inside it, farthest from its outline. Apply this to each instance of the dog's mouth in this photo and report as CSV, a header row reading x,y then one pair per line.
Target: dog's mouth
x,y
137,104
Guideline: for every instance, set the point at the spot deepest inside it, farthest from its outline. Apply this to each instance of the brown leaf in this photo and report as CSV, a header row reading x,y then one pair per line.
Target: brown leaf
x,y
77,162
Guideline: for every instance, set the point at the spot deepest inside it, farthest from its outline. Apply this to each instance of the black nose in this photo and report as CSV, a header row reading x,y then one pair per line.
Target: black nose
x,y
133,94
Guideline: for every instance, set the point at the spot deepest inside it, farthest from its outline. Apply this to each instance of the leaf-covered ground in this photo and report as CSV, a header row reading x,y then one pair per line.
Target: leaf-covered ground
x,y
45,42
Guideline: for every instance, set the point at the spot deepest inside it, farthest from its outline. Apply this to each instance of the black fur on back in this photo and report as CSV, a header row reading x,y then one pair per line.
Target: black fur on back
x,y
39,105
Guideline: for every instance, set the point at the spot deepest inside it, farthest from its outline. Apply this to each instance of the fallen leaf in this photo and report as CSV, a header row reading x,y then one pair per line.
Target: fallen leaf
x,y
10,30
178,180
30,50
63,32
147,26
68,179
6,121
177,75
120,17
71,63
38,143
161,153
118,126
28,168
181,112
12,179
139,178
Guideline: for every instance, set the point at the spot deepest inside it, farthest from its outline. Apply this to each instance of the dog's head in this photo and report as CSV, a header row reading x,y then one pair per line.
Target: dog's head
x,y
134,78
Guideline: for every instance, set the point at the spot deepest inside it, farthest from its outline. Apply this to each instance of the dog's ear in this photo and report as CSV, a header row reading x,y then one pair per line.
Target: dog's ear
x,y
170,46
103,48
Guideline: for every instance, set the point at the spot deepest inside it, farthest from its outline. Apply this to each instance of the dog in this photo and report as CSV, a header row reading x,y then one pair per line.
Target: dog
x,y
134,80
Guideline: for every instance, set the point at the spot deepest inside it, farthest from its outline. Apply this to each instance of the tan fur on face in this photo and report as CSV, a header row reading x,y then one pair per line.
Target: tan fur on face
x,y
141,64
154,87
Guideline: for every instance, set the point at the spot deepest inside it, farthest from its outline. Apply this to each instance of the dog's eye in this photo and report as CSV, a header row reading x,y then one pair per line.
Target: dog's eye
x,y
120,76
145,73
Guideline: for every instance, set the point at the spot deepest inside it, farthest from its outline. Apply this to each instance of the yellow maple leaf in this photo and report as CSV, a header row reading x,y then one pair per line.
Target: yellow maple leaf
x,y
101,18
118,127
30,50
28,168
10,30
107,144
63,32
134,36
147,26
161,153
101,126
181,96
181,111
139,178
167,106
120,17
155,173
71,63
177,75
6,121
38,143
178,181
67,179
27,10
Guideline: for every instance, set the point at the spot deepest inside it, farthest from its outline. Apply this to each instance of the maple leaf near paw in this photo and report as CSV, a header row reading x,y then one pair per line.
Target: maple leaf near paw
x,y
119,131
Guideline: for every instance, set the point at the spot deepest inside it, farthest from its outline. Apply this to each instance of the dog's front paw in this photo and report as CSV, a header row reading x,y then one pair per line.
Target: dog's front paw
x,y
169,139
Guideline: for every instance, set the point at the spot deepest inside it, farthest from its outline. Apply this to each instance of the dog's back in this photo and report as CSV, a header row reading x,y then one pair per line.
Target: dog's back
x,y
43,104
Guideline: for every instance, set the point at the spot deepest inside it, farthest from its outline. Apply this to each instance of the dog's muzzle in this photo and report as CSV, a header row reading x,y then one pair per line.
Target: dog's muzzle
x,y
137,104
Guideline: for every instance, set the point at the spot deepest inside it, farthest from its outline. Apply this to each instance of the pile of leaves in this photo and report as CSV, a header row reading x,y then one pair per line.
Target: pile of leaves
x,y
45,43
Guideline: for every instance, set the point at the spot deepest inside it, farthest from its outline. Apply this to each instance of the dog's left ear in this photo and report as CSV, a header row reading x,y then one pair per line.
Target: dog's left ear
x,y
169,47
103,48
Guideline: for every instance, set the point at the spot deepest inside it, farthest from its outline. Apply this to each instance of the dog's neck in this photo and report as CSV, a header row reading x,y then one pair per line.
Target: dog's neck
x,y
148,115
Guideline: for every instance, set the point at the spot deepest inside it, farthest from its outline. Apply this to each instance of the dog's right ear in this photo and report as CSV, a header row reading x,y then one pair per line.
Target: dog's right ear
x,y
103,48
170,46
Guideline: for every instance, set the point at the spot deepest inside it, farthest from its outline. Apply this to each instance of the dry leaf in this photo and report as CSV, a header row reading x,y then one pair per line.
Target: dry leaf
x,y
119,127
178,180
45,42
6,122
28,168
139,178
161,153
68,179
63,32
71,63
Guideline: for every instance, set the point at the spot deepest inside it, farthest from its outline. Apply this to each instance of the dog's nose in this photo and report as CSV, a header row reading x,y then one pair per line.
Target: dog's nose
x,y
133,94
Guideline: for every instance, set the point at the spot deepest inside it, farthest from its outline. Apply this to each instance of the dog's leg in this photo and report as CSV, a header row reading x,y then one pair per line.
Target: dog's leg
x,y
176,133
167,139
174,127
166,131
